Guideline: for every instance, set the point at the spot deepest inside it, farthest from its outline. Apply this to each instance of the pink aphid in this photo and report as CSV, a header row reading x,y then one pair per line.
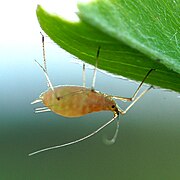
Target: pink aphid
x,y
76,101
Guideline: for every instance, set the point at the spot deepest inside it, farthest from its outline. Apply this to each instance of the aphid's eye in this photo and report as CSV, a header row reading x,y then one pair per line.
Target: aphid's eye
x,y
113,106
58,98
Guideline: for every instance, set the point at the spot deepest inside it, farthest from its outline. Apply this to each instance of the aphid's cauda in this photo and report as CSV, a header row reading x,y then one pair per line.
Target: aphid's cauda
x,y
75,101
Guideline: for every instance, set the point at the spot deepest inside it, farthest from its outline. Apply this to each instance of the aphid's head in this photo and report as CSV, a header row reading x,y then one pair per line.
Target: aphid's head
x,y
112,106
115,109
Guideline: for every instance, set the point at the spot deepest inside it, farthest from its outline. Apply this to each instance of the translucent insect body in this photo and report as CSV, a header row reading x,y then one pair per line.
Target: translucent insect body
x,y
75,101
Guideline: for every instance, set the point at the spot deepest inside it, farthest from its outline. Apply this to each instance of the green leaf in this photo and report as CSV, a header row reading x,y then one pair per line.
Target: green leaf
x,y
82,40
152,27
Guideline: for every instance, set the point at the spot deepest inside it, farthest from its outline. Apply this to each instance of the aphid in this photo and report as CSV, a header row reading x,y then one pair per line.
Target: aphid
x,y
75,101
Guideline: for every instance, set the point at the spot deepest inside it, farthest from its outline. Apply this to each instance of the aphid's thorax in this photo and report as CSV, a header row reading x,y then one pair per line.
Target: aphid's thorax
x,y
74,101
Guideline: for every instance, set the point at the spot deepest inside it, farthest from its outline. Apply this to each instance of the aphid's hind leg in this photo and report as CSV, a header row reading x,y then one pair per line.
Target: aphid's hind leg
x,y
36,101
49,84
95,69
42,109
84,75
44,55
47,77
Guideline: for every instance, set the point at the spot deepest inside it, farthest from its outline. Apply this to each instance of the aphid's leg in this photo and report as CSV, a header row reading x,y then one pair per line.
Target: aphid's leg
x,y
95,69
136,92
78,140
47,77
109,142
44,56
49,84
135,100
84,76
36,101
42,109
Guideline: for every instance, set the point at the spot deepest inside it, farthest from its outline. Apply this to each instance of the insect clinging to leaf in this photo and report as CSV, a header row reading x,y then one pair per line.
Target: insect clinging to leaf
x,y
76,101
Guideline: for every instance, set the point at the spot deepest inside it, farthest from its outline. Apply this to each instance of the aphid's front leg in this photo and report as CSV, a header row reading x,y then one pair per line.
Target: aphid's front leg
x,y
136,92
121,111
125,111
135,100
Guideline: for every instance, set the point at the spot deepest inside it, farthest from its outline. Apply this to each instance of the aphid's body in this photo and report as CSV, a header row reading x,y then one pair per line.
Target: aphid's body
x,y
75,101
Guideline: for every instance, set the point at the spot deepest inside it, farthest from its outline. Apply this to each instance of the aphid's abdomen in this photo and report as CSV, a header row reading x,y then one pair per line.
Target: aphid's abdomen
x,y
74,101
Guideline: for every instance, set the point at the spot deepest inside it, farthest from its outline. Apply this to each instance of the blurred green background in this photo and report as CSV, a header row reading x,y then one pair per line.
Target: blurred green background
x,y
148,144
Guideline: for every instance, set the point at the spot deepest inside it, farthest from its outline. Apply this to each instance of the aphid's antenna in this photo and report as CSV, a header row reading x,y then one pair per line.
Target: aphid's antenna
x,y
78,140
113,140
84,75
95,68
